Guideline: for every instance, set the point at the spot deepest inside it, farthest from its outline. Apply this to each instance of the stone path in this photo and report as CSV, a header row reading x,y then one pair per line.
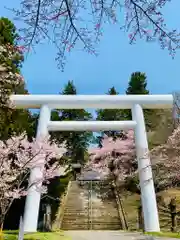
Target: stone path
x,y
109,235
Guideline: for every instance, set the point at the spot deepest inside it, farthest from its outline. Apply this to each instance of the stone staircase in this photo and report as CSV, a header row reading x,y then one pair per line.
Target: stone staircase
x,y
84,210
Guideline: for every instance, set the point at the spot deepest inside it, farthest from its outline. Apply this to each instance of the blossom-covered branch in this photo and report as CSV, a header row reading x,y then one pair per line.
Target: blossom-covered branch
x,y
165,164
145,19
116,156
167,158
17,157
67,23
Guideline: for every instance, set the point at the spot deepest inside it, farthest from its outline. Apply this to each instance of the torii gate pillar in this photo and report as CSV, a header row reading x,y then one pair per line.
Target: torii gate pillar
x,y
31,211
148,196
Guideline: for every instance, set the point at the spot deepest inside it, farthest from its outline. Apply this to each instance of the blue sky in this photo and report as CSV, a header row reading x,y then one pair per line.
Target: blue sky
x,y
113,67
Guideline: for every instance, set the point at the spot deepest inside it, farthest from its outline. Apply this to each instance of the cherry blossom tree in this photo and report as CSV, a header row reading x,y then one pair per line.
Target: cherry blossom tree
x,y
167,158
17,157
67,23
165,161
116,156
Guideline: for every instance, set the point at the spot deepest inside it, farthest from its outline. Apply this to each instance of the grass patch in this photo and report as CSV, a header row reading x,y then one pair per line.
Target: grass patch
x,y
12,235
164,234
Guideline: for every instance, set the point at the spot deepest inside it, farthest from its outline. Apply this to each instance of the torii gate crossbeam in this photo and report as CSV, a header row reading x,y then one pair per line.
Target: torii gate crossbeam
x,y
134,102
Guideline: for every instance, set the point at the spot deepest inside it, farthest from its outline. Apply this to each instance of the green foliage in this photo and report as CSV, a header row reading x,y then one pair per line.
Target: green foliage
x,y
109,115
56,189
8,34
69,89
13,121
137,84
159,124
77,142
131,184
164,234
16,121
8,38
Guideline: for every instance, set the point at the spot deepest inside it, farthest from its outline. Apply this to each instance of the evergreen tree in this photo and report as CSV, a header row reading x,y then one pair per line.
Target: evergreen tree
x,y
77,142
109,115
137,84
8,34
13,121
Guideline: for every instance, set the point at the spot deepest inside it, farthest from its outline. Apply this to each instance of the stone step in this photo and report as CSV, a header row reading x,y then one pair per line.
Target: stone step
x,y
78,213
77,202
93,224
90,205
83,220
88,227
103,211
93,212
76,221
92,215
89,224
77,210
73,193
76,206
86,202
95,217
67,216
86,205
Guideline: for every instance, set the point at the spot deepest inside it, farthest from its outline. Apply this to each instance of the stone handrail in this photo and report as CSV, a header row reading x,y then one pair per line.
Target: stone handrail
x,y
120,208
63,201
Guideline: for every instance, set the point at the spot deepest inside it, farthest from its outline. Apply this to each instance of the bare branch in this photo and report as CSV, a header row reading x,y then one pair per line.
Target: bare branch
x,y
72,22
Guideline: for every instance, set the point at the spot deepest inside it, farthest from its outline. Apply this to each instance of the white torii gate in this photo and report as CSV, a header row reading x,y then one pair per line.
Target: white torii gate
x,y
134,102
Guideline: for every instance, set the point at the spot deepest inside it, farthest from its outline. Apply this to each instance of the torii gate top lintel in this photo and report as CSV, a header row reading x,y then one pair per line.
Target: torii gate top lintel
x,y
93,101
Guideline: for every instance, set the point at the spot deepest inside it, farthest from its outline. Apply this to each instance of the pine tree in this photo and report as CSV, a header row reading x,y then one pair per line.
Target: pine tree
x,y
137,84
77,142
13,121
109,115
8,34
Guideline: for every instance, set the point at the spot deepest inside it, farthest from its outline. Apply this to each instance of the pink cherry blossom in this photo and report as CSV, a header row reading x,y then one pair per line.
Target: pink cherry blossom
x,y
17,157
166,158
121,152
